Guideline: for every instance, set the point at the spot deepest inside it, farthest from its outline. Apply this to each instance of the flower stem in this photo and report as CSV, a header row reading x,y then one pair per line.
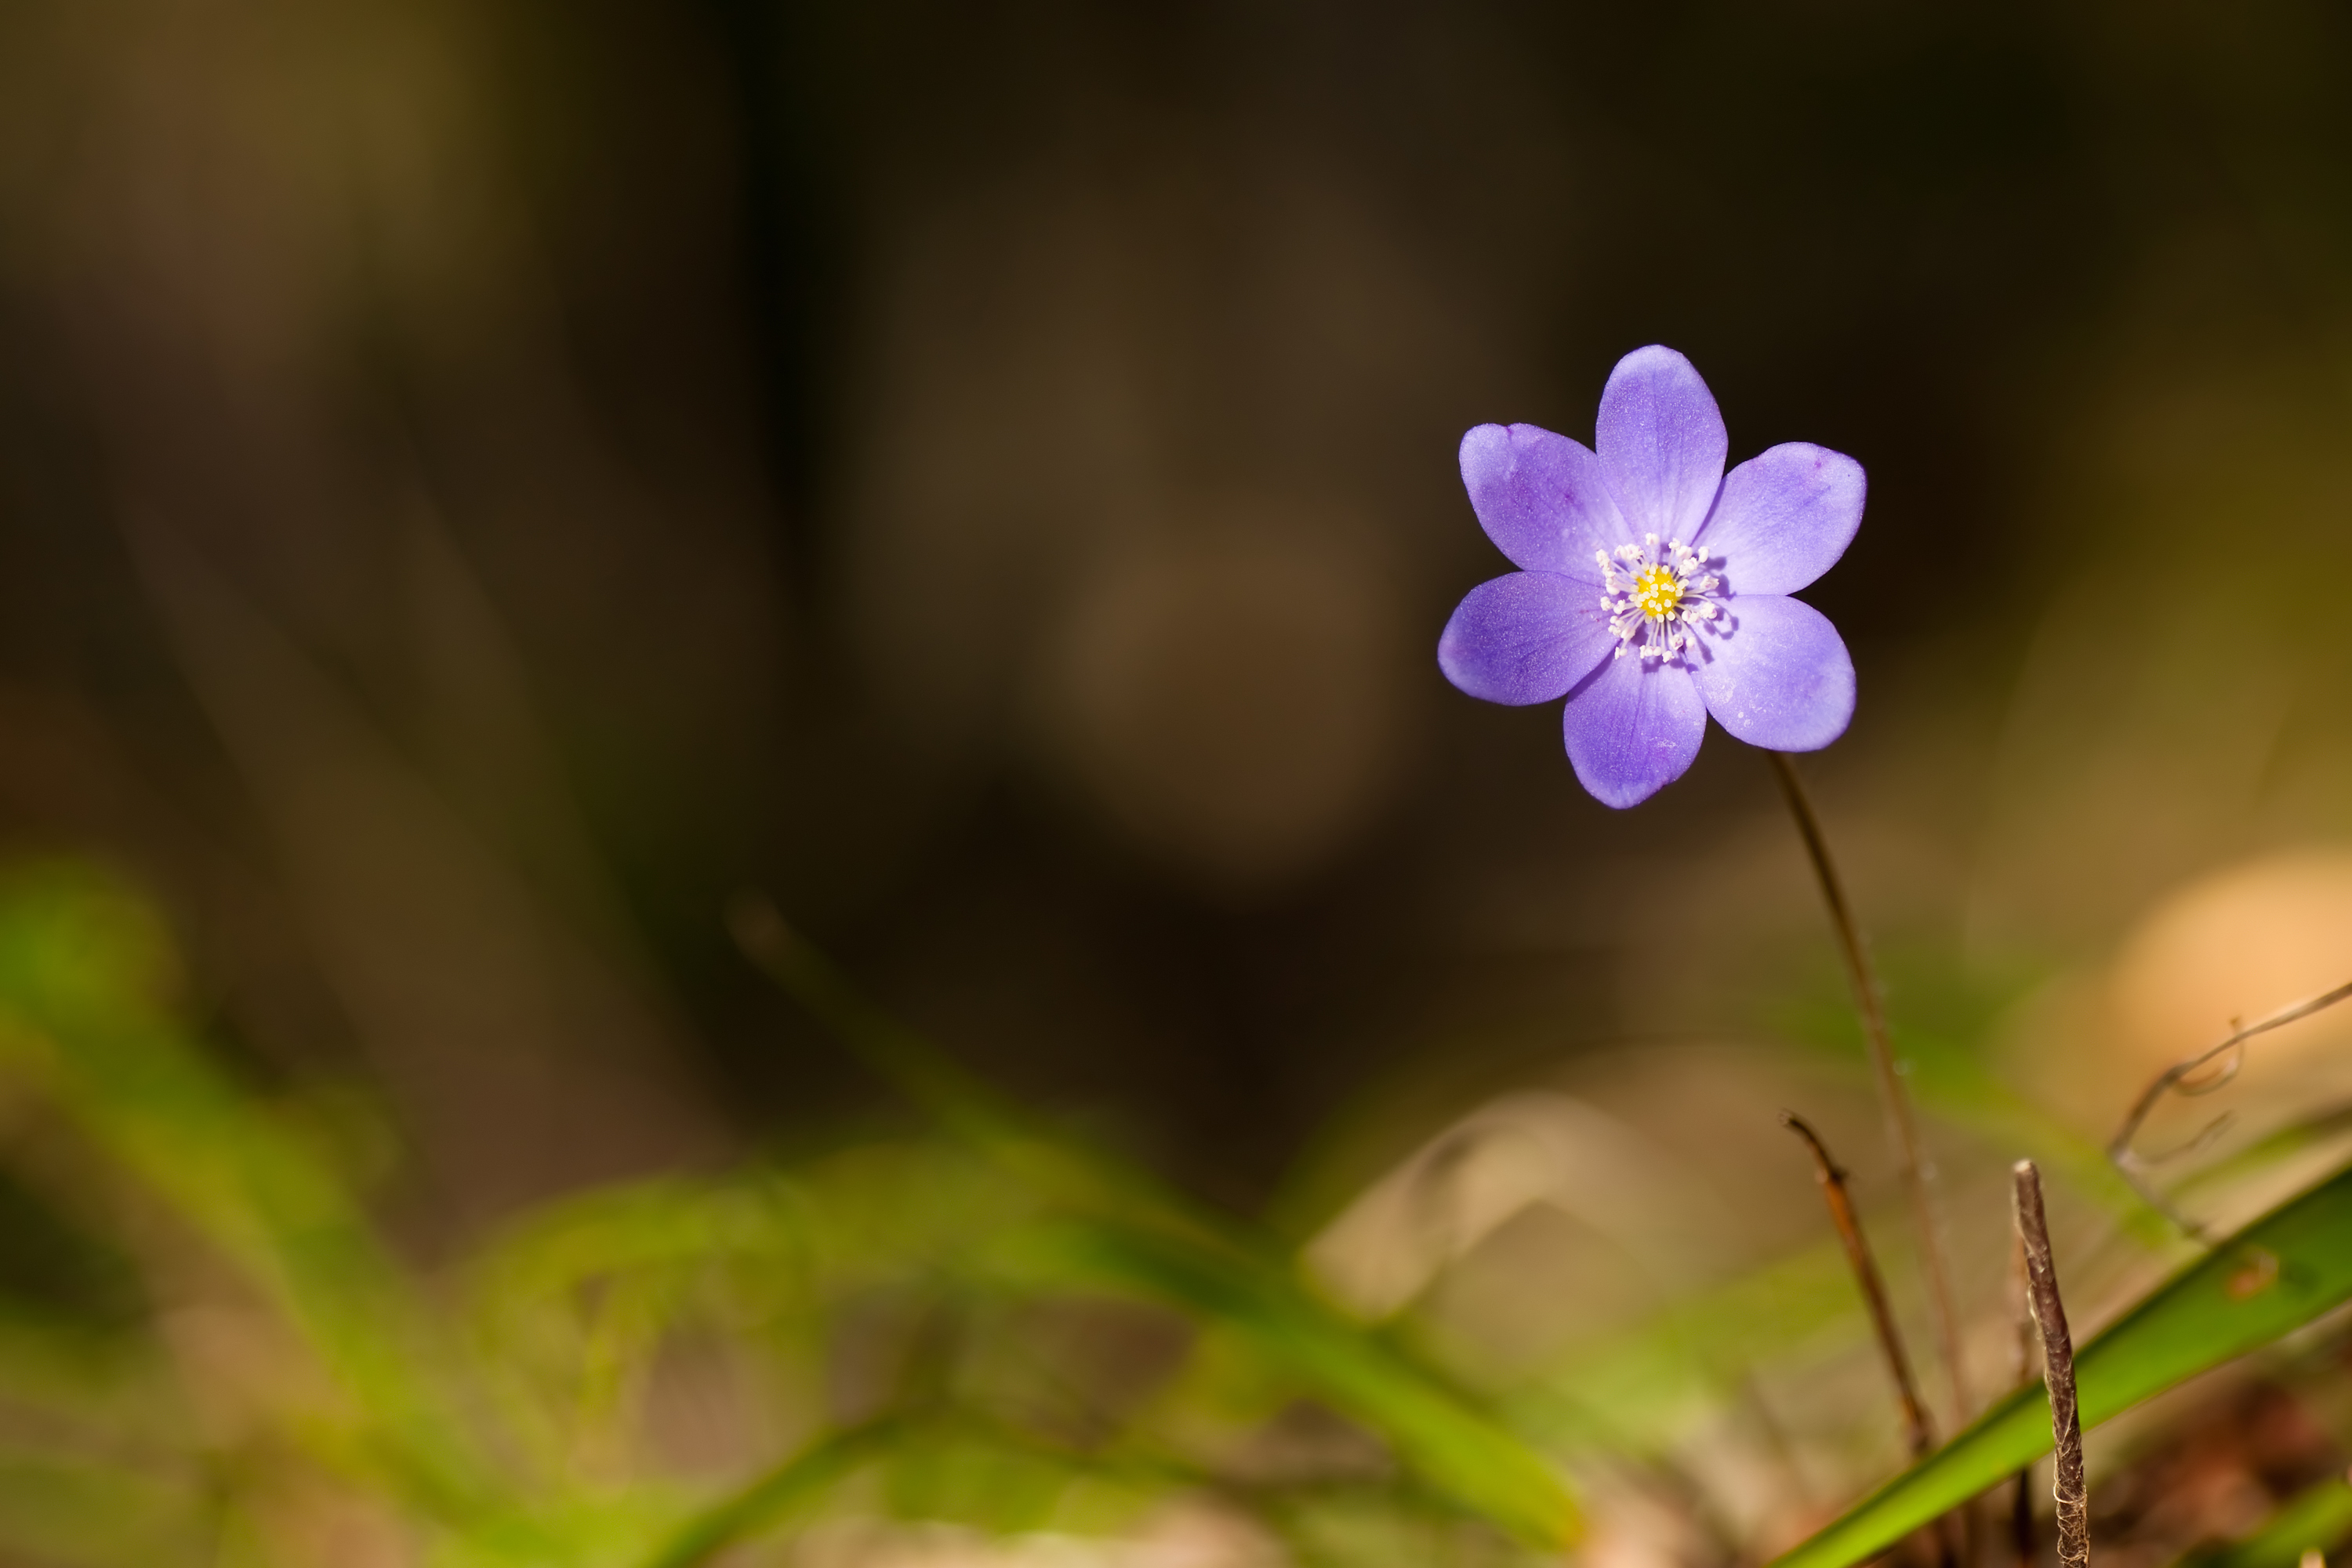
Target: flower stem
x,y
1902,1128
2066,1483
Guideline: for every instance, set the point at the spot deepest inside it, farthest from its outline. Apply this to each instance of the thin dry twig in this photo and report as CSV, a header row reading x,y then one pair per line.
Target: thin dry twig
x,y
2067,1482
1902,1127
2132,1166
2020,1371
1919,1433
1948,1544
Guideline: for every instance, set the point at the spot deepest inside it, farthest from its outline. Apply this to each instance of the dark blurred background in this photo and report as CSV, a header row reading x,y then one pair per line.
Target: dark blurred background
x,y
482,484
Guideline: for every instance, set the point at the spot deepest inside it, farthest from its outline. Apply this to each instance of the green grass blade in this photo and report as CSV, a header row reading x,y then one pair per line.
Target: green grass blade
x,y
1457,1450
807,1475
2277,1275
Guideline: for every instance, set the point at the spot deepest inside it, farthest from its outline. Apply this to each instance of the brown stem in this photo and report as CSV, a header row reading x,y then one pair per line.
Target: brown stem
x,y
2131,1166
1902,1129
2021,1368
1918,1435
2066,1483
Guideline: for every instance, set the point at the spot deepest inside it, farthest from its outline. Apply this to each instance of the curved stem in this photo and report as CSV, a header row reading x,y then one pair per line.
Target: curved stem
x,y
2132,1166
1902,1127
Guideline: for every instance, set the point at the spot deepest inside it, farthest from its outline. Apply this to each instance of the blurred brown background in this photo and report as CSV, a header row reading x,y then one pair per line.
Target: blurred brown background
x,y
479,484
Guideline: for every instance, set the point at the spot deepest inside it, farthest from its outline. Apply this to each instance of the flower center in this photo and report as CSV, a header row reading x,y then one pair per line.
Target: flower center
x,y
1657,592
1657,595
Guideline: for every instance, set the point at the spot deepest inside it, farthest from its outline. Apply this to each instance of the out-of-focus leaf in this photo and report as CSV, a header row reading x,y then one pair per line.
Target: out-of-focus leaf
x,y
1457,1450
1635,1390
1133,1232
1371,1526
807,1475
2275,1276
68,1509
568,1306
662,1223
957,1471
937,1463
84,966
2317,1518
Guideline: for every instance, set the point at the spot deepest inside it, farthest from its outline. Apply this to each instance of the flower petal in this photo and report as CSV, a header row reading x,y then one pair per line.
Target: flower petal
x,y
1523,639
1632,730
1780,678
1784,517
1661,438
1541,497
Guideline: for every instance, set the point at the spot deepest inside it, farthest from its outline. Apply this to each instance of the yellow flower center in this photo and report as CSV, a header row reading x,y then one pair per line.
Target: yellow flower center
x,y
1656,597
1657,593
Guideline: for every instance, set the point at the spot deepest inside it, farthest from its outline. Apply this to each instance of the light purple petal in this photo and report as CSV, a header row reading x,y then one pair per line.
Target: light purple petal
x,y
1784,517
1661,438
1524,638
1634,730
1780,678
1541,497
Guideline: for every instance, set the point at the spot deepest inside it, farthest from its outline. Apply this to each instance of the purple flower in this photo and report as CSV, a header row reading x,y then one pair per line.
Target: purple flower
x,y
1654,587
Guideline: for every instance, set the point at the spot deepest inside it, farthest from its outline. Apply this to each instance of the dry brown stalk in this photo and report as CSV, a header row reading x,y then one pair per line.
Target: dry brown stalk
x,y
1919,1429
1918,1434
2067,1482
2021,1369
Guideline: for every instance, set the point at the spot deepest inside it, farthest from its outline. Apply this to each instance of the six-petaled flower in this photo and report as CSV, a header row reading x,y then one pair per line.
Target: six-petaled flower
x,y
1653,587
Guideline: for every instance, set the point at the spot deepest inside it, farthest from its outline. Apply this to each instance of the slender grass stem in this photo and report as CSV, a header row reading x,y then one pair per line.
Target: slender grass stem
x,y
2067,1482
1902,1126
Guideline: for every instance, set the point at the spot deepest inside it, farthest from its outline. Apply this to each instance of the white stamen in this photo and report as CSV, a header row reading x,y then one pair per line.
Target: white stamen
x,y
1656,597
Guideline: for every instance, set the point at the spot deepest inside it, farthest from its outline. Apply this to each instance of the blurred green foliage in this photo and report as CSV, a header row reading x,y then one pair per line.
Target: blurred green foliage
x,y
909,1316
2317,1518
209,1351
